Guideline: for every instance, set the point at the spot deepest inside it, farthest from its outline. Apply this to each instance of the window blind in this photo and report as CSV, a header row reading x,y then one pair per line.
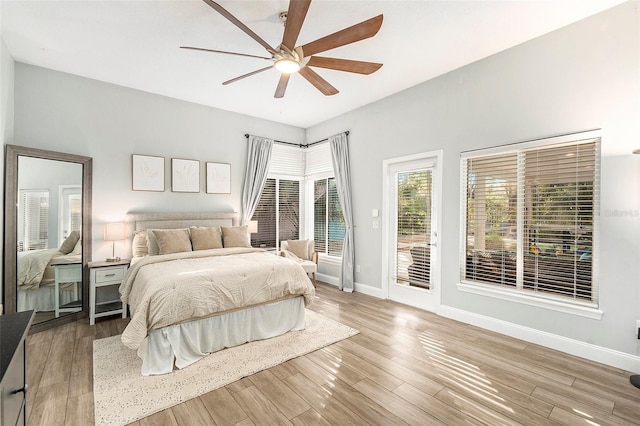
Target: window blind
x,y
278,213
413,235
288,210
287,161
492,219
318,160
35,220
320,215
328,223
336,227
265,214
558,206
530,219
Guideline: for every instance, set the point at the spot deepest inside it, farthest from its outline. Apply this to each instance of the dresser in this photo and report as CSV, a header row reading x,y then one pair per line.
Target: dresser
x,y
13,370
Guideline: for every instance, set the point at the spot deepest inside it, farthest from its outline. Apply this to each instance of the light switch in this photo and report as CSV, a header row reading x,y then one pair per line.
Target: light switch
x,y
374,213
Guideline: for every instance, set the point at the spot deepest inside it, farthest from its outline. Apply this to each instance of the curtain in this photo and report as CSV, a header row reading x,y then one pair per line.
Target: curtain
x,y
258,158
342,171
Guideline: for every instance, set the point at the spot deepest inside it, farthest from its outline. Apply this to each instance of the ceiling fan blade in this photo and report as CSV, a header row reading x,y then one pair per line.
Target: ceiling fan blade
x,y
225,52
320,83
357,32
235,21
233,80
295,17
347,65
282,85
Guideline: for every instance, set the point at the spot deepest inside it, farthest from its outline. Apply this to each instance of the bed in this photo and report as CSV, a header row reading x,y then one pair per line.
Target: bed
x,y
195,286
36,275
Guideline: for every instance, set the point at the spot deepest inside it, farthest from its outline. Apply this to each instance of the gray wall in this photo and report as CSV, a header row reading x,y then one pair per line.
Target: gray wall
x,y
581,77
67,113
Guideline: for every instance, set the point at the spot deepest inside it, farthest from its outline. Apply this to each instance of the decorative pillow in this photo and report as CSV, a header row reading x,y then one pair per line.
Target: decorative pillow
x,y
299,247
140,245
152,241
236,236
172,240
70,242
204,238
78,248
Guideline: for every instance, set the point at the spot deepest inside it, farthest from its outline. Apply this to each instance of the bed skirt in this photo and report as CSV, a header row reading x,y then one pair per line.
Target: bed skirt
x,y
42,299
183,344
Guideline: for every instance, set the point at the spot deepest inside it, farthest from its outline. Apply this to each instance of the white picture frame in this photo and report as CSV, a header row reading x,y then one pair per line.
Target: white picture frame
x,y
218,178
147,173
185,175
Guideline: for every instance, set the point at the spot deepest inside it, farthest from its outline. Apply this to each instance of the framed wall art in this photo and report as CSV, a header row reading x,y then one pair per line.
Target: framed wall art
x,y
147,173
185,175
218,178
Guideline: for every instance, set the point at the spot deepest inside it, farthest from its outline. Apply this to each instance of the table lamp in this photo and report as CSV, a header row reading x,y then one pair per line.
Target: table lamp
x,y
114,232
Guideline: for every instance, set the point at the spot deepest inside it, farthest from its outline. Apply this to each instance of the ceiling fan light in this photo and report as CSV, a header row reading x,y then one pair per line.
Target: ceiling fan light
x,y
287,66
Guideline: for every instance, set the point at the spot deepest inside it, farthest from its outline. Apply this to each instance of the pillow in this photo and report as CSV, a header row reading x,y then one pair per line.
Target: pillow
x,y
172,240
204,238
70,242
236,236
78,248
299,247
140,245
152,242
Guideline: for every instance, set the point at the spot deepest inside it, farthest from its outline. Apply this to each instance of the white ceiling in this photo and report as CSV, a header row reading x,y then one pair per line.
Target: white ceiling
x,y
135,44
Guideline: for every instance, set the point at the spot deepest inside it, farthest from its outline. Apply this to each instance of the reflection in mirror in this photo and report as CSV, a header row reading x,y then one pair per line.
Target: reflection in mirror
x,y
49,237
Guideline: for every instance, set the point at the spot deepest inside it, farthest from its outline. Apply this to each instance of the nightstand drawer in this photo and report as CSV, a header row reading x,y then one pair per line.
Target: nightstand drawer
x,y
68,273
109,274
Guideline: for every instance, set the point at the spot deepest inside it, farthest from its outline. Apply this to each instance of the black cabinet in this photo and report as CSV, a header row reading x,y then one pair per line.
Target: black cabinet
x,y
13,370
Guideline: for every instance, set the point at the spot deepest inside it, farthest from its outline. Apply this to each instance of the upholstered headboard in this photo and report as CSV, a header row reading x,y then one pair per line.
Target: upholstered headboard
x,y
142,221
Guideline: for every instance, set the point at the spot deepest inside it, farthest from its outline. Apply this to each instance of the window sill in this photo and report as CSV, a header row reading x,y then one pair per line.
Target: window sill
x,y
329,260
586,310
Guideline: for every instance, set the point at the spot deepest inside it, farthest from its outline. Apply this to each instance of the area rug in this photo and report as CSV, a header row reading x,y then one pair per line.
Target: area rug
x,y
122,395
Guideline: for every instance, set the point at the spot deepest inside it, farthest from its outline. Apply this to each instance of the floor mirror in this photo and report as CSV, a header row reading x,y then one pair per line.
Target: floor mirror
x,y
47,234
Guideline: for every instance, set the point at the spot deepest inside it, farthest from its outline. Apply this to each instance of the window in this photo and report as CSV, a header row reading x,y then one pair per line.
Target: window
x,y
33,220
70,207
328,223
530,218
278,213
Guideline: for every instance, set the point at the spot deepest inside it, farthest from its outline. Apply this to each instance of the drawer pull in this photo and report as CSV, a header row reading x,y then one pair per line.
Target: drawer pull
x,y
110,275
24,390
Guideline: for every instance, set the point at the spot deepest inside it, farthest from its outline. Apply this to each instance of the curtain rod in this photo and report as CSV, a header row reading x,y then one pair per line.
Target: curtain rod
x,y
299,145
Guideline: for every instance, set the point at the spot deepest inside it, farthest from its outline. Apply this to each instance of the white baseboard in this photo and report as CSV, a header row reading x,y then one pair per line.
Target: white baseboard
x,y
329,279
589,351
368,290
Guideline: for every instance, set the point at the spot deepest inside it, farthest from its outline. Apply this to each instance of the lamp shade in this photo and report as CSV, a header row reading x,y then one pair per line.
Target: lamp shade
x,y
253,226
114,231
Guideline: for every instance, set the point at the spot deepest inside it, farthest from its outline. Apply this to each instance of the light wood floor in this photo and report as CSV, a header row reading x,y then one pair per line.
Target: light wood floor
x,y
405,367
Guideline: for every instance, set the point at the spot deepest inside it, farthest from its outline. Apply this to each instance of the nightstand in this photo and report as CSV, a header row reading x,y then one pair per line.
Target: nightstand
x,y
70,274
104,297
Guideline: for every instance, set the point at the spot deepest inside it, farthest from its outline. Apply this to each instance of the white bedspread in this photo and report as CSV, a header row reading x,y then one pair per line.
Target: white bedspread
x,y
32,265
170,289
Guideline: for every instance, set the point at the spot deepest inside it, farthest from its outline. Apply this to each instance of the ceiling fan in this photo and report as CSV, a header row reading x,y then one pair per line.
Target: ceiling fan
x,y
289,59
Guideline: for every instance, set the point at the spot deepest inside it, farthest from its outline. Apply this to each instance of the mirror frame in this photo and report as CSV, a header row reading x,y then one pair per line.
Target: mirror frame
x,y
9,299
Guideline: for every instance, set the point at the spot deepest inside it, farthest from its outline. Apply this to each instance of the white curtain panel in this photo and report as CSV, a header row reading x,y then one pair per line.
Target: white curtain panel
x,y
342,171
258,159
